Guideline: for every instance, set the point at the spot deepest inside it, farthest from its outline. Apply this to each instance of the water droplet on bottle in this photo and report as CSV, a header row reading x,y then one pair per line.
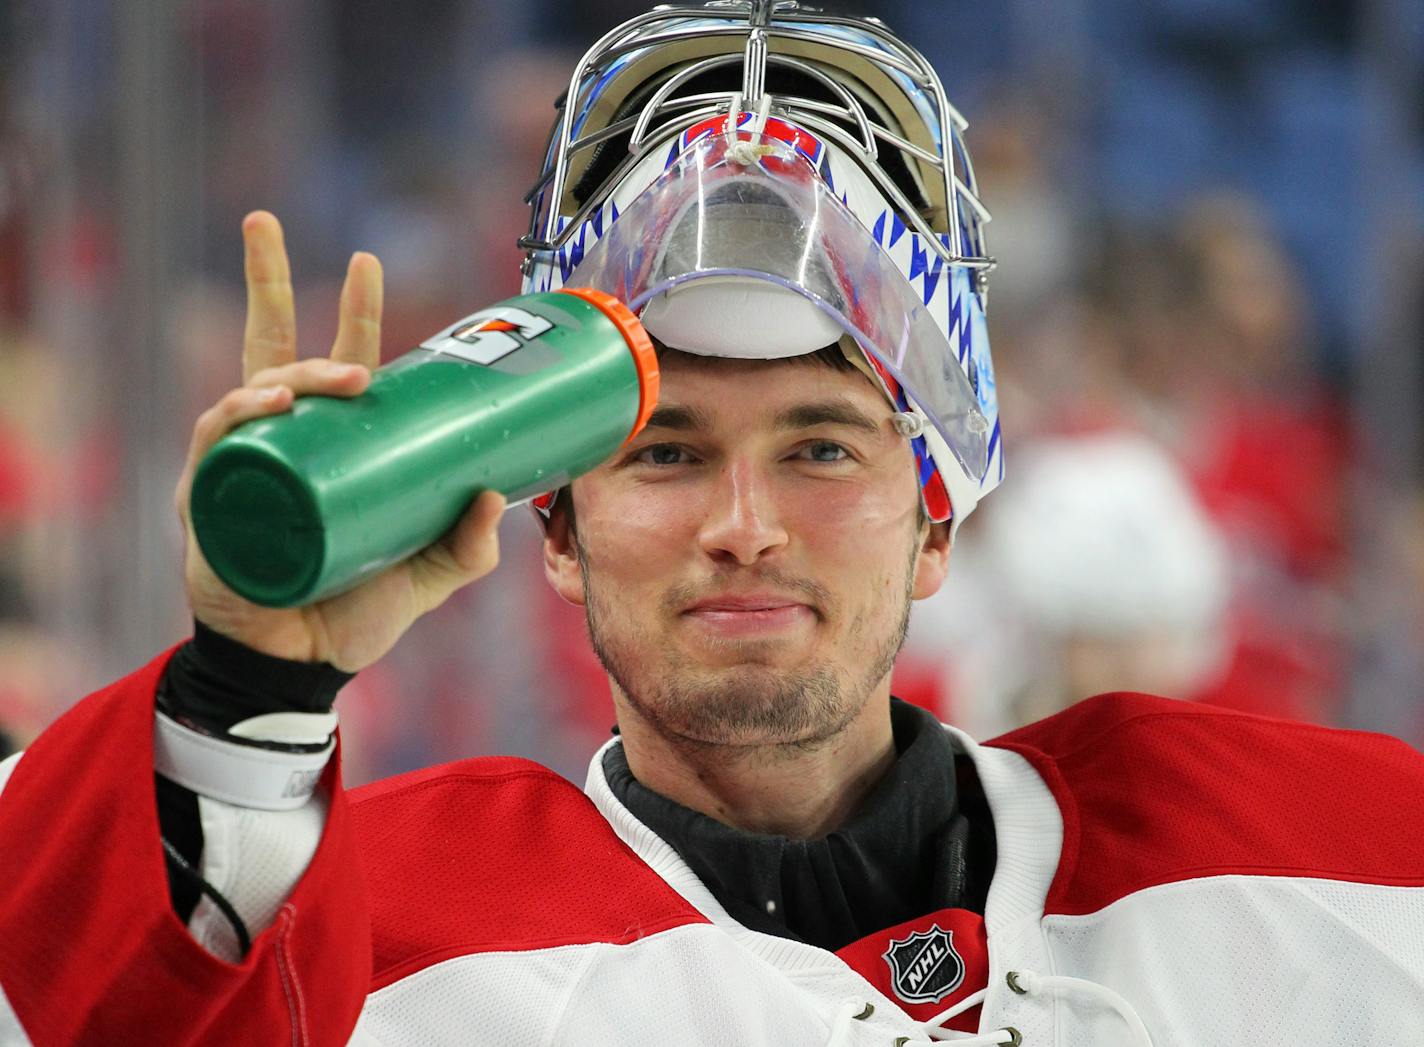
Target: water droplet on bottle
x,y
504,435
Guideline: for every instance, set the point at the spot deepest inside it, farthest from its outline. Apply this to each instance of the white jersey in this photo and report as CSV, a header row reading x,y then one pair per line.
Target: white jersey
x,y
1166,873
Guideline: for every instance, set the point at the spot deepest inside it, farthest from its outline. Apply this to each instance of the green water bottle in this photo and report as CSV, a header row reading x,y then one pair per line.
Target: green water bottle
x,y
520,398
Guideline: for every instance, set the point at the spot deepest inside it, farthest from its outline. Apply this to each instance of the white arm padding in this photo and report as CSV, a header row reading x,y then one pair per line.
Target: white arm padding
x,y
254,859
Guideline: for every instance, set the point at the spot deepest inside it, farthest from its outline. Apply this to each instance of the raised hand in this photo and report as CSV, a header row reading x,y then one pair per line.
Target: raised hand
x,y
355,628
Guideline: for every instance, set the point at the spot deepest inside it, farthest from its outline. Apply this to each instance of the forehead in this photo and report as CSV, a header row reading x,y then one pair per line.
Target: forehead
x,y
739,390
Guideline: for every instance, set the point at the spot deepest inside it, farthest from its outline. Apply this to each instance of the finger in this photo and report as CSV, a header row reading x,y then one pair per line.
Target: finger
x,y
470,551
316,376
358,330
271,335
238,406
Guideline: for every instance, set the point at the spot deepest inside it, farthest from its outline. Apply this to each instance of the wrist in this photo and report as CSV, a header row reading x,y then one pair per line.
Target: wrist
x,y
214,684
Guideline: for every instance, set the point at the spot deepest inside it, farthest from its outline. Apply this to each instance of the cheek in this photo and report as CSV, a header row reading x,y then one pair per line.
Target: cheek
x,y
858,542
629,538
865,534
865,518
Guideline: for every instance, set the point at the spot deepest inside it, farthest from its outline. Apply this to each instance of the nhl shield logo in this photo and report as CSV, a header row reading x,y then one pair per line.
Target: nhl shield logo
x,y
925,967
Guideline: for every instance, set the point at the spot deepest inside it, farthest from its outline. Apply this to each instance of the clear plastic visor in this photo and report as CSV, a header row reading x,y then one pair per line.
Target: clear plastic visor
x,y
757,208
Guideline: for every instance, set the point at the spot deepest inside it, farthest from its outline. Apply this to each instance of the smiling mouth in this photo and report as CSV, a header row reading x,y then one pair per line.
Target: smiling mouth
x,y
749,616
776,602
745,603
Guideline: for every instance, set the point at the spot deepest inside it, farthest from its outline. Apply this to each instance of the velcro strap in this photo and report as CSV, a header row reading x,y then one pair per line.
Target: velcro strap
x,y
244,775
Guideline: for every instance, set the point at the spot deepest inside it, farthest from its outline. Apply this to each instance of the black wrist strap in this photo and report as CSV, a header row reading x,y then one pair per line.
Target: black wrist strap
x,y
213,682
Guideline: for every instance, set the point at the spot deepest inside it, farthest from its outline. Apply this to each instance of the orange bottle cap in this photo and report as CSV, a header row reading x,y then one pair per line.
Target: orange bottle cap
x,y
645,358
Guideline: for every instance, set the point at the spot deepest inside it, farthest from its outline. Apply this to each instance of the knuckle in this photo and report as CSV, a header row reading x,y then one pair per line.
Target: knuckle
x,y
220,416
206,421
263,377
271,338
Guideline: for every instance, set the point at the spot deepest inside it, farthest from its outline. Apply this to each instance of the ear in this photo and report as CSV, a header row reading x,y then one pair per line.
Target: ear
x,y
561,559
932,564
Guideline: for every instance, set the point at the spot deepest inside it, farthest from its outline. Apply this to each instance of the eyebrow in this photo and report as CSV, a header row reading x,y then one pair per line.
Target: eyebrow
x,y
676,416
837,411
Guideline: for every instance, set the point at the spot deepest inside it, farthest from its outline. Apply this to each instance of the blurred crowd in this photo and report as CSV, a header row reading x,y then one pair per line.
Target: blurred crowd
x,y
1198,498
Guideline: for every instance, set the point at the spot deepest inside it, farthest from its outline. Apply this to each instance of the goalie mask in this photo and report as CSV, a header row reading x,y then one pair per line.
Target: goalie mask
x,y
761,180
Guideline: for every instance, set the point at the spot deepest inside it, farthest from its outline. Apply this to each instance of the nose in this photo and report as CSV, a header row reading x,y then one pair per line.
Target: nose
x,y
742,522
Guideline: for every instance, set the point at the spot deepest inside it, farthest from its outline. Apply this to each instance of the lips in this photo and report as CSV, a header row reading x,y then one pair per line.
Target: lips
x,y
748,615
748,603
745,603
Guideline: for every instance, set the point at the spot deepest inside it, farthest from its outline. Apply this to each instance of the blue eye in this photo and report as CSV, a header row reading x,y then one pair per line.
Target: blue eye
x,y
826,451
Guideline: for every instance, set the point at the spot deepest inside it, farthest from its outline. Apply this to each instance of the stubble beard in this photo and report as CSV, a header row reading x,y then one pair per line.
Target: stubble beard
x,y
748,705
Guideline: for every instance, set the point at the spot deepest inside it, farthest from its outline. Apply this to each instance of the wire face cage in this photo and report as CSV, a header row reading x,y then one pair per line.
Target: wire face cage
x,y
848,79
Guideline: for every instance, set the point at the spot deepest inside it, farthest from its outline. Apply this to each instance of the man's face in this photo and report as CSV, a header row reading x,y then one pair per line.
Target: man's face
x,y
747,562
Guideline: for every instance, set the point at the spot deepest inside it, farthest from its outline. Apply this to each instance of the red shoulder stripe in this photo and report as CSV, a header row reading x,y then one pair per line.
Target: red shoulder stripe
x,y
498,854
1155,791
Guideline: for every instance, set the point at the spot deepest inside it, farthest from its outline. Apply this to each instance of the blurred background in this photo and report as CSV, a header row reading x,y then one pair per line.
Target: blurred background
x,y
1207,319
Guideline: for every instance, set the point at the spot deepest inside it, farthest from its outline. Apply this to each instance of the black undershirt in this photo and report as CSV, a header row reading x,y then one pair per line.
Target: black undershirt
x,y
213,682
922,840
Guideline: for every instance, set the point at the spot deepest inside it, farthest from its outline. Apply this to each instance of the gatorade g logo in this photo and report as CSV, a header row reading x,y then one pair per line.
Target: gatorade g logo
x,y
489,335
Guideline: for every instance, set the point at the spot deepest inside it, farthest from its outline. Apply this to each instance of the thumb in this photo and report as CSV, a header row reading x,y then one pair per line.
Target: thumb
x,y
468,552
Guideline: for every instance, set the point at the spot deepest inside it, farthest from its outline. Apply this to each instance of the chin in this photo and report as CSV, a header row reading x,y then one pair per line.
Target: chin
x,y
748,705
